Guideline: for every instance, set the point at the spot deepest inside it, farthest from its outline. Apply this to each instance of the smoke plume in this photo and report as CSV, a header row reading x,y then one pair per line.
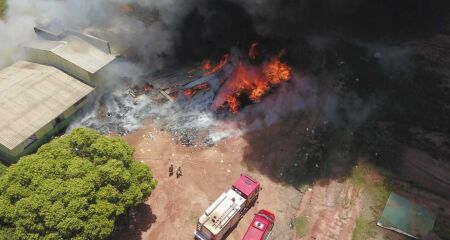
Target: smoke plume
x,y
161,34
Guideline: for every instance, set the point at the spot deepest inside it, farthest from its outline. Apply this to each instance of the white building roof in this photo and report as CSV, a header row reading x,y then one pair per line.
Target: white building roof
x,y
31,96
76,51
217,216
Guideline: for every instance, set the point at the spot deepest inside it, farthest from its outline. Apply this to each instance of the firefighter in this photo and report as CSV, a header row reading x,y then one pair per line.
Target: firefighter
x,y
179,173
171,170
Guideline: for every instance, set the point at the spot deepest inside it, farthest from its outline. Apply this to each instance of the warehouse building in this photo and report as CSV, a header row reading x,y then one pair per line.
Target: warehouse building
x,y
77,54
36,101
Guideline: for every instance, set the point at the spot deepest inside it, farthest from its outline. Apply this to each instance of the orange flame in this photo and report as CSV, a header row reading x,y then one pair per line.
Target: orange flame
x,y
206,65
253,82
277,72
148,87
252,51
211,70
233,103
192,91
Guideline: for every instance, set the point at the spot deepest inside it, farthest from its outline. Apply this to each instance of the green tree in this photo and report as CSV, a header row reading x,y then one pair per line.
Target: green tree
x,y
3,6
74,187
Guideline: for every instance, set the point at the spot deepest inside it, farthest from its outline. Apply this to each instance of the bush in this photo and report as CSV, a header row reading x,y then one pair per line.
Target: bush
x,y
74,187
301,225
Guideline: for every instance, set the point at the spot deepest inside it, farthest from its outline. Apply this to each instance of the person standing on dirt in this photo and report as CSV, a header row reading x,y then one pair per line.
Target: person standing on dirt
x,y
179,173
171,170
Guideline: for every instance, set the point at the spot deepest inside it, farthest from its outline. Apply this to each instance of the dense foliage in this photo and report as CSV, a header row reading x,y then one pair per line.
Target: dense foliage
x,y
2,7
2,169
74,187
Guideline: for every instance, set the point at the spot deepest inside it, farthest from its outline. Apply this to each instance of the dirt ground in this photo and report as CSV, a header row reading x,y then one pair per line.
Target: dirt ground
x,y
176,204
173,209
331,209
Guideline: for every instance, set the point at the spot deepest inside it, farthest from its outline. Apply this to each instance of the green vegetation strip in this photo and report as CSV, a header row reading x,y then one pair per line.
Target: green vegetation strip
x,y
301,225
376,190
364,229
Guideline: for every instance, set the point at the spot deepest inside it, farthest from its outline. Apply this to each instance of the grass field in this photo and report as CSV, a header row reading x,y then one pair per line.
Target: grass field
x,y
301,225
376,190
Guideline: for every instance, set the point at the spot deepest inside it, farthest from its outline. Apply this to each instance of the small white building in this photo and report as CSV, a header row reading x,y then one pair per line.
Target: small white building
x,y
36,101
77,54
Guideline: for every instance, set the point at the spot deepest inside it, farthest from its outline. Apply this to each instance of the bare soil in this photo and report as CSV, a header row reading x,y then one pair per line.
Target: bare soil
x,y
172,211
331,208
176,204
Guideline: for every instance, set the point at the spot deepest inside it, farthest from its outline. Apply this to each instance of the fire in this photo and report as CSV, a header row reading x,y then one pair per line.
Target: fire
x,y
207,67
252,82
233,103
192,91
277,72
148,87
252,52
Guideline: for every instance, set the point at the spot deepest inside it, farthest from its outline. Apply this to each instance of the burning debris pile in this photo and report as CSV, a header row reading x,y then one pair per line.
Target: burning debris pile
x,y
249,83
192,91
188,103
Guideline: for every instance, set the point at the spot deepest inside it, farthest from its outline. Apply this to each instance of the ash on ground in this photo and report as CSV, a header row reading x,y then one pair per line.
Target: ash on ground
x,y
188,118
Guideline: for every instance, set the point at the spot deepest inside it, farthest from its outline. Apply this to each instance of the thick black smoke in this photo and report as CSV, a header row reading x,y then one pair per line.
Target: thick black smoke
x,y
214,26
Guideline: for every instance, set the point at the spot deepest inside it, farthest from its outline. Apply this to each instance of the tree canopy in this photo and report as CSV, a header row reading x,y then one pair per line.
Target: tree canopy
x,y
2,7
74,187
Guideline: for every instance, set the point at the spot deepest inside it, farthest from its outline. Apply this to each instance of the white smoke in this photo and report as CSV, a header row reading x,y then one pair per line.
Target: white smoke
x,y
149,30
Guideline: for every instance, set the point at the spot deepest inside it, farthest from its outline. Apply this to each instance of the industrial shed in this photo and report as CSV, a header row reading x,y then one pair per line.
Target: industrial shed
x,y
407,217
73,55
35,102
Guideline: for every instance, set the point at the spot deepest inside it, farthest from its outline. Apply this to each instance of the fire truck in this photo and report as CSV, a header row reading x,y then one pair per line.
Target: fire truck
x,y
223,215
261,226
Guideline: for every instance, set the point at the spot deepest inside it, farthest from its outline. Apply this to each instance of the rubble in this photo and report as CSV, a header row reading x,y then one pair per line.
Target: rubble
x,y
187,137
208,141
151,136
185,115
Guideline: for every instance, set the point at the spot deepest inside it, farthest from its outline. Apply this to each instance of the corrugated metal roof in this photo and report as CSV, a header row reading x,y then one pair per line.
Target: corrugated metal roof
x,y
407,217
31,96
76,51
44,44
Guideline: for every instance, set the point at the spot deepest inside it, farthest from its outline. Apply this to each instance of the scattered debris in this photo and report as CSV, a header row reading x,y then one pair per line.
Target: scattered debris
x,y
190,92
151,136
209,142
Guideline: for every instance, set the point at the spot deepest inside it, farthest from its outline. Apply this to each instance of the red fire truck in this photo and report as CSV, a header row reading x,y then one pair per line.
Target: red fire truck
x,y
224,214
261,226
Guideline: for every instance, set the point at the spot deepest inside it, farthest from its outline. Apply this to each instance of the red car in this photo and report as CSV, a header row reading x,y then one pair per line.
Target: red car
x,y
261,226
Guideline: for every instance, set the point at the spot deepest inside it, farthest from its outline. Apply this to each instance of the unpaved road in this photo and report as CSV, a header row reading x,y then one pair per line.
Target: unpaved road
x,y
331,209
